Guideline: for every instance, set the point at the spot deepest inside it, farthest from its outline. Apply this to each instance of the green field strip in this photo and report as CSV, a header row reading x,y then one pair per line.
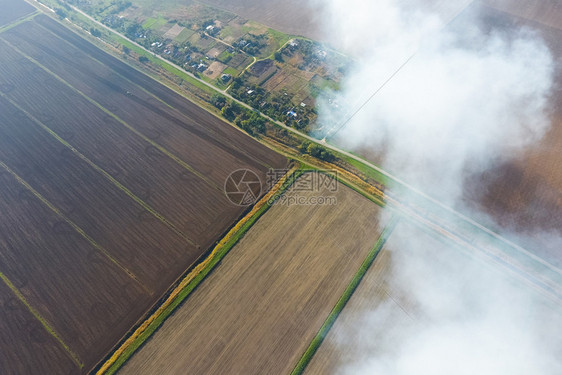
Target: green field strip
x,y
42,320
344,299
190,287
122,122
20,21
74,226
104,173
92,58
368,171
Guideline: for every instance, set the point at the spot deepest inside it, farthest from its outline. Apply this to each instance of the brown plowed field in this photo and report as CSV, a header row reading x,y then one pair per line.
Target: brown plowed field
x,y
42,256
290,16
524,194
26,346
112,187
14,9
257,312
194,119
169,128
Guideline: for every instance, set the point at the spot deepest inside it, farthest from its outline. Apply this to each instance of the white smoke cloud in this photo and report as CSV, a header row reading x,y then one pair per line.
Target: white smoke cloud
x,y
464,97
467,97
463,318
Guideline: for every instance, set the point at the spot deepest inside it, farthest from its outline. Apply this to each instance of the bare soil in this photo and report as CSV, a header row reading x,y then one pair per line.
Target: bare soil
x,y
257,312
98,229
524,193
289,16
14,9
401,295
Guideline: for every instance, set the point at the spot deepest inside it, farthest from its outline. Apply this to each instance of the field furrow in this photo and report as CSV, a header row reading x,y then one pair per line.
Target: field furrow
x,y
169,188
12,10
112,189
192,119
26,347
63,276
124,228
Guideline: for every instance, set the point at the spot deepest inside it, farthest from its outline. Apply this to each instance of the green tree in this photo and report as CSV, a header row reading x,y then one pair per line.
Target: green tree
x,y
228,112
218,100
60,13
257,123
303,148
320,152
95,32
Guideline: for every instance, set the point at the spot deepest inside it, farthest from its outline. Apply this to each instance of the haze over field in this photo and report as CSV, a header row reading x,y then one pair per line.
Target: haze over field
x,y
464,99
467,97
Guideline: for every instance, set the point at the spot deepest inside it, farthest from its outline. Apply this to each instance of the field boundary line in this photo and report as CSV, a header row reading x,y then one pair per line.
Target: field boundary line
x,y
42,320
74,226
104,173
196,276
345,297
19,21
148,92
118,119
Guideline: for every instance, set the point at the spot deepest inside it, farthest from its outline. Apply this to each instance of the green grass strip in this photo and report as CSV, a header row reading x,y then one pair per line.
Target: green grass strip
x,y
376,200
344,299
20,21
200,277
338,176
40,319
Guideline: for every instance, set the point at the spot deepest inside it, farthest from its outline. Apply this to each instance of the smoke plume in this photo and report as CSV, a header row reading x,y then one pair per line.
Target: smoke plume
x,y
442,98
